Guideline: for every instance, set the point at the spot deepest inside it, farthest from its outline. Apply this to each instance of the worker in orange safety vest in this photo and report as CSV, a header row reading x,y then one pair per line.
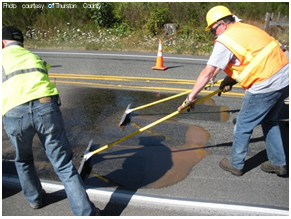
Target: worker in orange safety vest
x,y
255,60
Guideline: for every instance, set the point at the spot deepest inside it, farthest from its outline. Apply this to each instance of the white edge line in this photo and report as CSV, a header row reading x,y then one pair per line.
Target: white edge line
x,y
152,200
118,55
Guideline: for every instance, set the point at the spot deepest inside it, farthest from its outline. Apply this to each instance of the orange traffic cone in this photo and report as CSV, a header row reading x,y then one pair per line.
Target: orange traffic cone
x,y
159,62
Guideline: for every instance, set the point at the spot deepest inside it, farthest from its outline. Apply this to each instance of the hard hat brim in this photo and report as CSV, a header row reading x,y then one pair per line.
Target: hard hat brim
x,y
208,28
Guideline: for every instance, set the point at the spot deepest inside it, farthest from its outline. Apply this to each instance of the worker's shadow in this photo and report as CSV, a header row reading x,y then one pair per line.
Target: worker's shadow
x,y
141,166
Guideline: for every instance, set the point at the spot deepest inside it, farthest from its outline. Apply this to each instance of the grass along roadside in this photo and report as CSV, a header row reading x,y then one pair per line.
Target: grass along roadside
x,y
196,42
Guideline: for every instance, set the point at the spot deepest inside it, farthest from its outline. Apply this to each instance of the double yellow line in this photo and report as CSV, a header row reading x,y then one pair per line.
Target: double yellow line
x,y
122,78
94,80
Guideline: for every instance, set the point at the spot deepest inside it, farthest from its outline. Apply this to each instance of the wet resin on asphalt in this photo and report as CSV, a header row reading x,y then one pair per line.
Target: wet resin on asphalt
x,y
159,157
156,158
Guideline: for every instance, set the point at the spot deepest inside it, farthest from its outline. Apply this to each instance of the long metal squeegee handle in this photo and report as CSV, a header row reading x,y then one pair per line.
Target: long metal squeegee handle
x,y
207,97
170,98
89,154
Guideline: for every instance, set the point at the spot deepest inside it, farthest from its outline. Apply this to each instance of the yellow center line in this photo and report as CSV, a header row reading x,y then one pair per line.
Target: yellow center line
x,y
128,79
122,78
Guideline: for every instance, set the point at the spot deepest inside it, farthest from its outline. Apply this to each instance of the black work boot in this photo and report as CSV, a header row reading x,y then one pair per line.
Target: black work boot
x,y
225,165
269,168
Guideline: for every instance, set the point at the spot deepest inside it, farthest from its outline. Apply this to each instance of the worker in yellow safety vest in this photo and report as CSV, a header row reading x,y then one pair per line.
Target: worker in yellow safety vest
x,y
30,105
255,60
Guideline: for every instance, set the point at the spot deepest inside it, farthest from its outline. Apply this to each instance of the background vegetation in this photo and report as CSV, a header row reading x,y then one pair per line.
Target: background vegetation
x,y
133,26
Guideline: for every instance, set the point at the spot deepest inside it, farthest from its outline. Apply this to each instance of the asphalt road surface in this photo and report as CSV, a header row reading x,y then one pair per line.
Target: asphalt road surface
x,y
170,169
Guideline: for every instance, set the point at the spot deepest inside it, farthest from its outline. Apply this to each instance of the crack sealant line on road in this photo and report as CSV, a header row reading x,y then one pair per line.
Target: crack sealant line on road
x,y
156,200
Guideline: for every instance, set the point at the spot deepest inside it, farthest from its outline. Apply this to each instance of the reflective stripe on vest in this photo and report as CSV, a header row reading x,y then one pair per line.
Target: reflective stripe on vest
x,y
259,57
27,78
241,50
18,72
5,77
259,54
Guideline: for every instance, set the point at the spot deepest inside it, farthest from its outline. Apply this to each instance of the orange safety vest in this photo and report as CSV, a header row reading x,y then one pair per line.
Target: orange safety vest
x,y
259,54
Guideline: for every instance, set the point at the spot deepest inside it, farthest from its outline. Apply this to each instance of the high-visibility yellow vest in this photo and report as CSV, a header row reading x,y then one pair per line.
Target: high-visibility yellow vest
x,y
259,54
24,77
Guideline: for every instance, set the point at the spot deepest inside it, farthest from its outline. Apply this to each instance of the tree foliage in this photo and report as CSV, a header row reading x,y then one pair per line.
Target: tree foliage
x,y
103,15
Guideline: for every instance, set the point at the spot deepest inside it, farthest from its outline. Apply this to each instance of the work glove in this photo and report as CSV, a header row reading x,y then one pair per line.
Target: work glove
x,y
187,103
226,85
210,84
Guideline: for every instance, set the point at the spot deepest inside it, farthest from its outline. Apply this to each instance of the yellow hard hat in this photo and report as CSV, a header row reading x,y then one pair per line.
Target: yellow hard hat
x,y
216,13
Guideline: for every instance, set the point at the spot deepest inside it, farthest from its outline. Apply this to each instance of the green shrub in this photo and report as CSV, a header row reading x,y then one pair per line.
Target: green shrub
x,y
133,26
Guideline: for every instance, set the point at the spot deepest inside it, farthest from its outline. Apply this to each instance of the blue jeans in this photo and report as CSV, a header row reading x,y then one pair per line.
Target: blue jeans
x,y
45,119
259,109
